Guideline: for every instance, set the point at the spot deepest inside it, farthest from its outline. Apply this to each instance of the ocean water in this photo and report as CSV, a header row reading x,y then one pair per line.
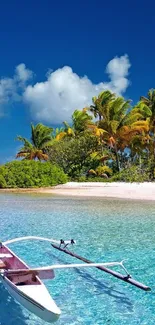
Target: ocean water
x,y
105,230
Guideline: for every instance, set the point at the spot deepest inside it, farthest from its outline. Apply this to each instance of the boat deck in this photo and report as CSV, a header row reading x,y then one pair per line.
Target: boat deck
x,y
9,261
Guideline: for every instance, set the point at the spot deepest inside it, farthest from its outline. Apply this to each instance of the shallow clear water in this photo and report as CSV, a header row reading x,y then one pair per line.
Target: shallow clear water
x,y
105,230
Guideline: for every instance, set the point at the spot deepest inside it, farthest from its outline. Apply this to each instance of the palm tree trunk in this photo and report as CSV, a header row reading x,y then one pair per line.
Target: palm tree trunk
x,y
153,156
140,161
117,157
154,140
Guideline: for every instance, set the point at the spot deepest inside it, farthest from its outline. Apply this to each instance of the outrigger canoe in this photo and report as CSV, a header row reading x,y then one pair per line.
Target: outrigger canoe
x,y
25,286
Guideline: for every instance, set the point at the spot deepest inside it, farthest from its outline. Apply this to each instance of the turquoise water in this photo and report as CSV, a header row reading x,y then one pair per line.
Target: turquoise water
x,y
105,230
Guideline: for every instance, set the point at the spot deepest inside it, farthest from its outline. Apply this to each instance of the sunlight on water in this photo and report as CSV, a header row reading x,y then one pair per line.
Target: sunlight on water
x,y
105,230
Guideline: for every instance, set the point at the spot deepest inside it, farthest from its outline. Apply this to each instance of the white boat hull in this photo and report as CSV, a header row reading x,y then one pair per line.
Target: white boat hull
x,y
35,298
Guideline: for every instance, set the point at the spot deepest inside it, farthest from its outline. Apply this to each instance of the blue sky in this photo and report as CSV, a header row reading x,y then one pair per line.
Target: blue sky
x,y
55,55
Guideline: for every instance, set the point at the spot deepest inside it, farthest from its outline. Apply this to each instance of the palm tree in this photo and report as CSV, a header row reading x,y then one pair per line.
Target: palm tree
x,y
149,104
119,123
64,132
101,103
80,123
140,147
41,138
81,120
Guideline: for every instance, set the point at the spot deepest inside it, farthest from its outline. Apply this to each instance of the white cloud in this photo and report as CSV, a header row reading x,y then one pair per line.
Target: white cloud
x,y
6,89
55,99
117,70
64,91
11,89
22,73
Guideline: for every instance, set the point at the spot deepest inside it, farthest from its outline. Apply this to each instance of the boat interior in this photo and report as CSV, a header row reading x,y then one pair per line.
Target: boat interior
x,y
9,261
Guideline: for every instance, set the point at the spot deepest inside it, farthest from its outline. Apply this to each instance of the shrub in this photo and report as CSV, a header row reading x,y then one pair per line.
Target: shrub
x,y
132,174
73,155
24,174
2,182
82,179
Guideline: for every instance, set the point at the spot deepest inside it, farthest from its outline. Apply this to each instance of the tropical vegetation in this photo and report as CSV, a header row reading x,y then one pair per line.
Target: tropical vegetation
x,y
36,148
30,173
109,140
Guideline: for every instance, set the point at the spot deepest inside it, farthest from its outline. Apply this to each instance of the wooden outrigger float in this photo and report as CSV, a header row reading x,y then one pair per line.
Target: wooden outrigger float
x,y
127,277
24,284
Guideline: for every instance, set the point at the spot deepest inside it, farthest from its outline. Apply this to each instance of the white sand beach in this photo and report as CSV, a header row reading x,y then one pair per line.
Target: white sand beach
x,y
134,191
140,191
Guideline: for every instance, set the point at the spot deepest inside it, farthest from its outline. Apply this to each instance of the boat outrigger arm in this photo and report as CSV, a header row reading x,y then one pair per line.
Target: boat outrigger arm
x,y
51,240
62,245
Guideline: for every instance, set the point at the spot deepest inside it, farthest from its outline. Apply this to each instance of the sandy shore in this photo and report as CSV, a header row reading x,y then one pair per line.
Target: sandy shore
x,y
139,191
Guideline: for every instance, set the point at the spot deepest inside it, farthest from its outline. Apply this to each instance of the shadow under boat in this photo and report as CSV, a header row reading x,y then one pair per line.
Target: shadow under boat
x,y
101,286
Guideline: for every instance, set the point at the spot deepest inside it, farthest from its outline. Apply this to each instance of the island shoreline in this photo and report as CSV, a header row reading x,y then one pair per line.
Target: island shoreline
x,y
135,191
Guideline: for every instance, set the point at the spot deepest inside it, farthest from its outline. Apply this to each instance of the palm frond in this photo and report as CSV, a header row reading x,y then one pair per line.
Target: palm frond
x,y
27,143
61,135
114,126
21,154
132,118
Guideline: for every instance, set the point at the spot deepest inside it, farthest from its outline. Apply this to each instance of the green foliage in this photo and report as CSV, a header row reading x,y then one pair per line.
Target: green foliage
x,y
81,119
81,178
2,182
41,138
92,172
132,174
100,156
23,174
93,179
101,170
122,136
73,155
